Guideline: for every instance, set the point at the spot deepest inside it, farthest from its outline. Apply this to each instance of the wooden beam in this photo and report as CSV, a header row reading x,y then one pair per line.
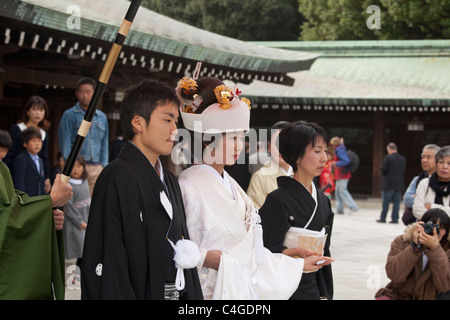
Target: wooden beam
x,y
39,77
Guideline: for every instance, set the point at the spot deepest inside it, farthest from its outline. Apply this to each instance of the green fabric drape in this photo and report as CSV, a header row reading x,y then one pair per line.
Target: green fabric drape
x,y
31,250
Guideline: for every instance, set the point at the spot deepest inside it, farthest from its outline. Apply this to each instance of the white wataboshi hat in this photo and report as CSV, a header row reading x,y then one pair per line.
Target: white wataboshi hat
x,y
229,112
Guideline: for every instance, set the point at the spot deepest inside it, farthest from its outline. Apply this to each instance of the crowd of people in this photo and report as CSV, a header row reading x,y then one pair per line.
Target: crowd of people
x,y
138,231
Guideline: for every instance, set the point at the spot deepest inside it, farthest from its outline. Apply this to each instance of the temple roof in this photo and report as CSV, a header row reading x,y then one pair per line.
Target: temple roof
x,y
154,41
366,73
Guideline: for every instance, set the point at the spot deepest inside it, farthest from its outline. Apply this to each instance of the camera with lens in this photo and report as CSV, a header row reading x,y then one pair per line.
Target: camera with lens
x,y
429,226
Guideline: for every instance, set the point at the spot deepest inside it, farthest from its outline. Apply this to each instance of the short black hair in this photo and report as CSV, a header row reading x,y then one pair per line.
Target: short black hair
x,y
141,100
294,139
86,80
5,139
30,133
436,214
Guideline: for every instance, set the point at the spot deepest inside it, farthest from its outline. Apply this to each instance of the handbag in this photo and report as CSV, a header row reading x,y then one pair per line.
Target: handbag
x,y
408,216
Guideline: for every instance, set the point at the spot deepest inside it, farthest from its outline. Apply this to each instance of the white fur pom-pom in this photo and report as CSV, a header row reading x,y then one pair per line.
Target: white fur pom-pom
x,y
187,254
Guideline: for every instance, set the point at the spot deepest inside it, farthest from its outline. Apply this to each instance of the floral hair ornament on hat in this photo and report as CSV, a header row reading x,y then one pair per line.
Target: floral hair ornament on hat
x,y
207,105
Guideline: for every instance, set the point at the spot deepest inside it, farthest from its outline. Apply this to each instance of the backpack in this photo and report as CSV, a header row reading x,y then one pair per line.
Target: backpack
x,y
354,162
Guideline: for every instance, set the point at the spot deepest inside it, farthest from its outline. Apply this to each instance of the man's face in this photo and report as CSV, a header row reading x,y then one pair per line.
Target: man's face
x,y
428,161
84,95
157,137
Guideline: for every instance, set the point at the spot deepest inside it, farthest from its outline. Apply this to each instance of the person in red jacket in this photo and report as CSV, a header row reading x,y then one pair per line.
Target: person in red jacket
x,y
326,178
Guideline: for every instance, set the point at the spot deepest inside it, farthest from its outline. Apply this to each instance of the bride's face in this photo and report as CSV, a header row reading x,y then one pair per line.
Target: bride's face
x,y
226,149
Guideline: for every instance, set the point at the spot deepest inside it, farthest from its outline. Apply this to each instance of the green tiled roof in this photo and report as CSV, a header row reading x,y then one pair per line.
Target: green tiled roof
x,y
351,72
360,48
150,31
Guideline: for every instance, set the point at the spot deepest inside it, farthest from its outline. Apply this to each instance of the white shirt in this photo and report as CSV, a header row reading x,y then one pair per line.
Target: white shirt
x,y
35,159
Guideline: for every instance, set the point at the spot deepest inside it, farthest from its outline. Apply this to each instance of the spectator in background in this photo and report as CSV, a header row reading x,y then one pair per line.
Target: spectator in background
x,y
264,180
257,159
326,178
393,169
5,143
116,145
95,145
418,262
433,192
341,192
35,115
27,169
428,163
76,212
60,162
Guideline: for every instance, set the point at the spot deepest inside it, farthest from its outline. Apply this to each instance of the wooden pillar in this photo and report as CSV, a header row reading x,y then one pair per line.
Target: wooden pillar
x,y
378,152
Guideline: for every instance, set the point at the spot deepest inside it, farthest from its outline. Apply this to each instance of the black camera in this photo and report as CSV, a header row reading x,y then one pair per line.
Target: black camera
x,y
429,226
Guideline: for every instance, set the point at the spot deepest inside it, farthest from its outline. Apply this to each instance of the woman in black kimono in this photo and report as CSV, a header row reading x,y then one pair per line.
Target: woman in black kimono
x,y
299,203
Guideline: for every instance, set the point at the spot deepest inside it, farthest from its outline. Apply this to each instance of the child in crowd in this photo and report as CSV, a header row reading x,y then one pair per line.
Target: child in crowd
x,y
76,212
5,143
60,162
27,170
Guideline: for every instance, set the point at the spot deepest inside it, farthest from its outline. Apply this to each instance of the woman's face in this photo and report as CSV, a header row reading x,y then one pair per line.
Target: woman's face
x,y
227,149
36,113
443,169
313,162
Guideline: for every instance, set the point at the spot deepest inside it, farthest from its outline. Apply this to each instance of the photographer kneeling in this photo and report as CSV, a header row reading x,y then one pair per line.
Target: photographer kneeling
x,y
418,263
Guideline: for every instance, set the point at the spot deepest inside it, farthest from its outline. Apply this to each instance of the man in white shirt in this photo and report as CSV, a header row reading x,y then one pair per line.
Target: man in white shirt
x,y
264,180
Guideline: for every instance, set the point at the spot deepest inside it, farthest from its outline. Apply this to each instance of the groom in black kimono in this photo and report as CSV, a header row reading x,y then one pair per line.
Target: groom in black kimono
x,y
136,206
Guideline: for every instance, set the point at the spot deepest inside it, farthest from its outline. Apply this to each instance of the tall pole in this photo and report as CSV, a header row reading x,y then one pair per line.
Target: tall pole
x,y
100,88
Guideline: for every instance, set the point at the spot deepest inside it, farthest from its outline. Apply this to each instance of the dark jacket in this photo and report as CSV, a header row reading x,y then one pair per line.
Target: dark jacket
x,y
26,176
126,254
17,148
393,169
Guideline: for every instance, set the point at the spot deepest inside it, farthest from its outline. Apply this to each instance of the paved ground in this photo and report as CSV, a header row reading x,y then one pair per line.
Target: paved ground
x,y
360,246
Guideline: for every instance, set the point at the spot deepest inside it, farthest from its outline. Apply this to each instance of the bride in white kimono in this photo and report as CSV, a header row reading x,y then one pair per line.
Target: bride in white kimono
x,y
221,219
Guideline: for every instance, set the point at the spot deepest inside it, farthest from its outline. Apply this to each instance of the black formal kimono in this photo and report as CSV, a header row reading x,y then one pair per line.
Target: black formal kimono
x,y
291,205
126,254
